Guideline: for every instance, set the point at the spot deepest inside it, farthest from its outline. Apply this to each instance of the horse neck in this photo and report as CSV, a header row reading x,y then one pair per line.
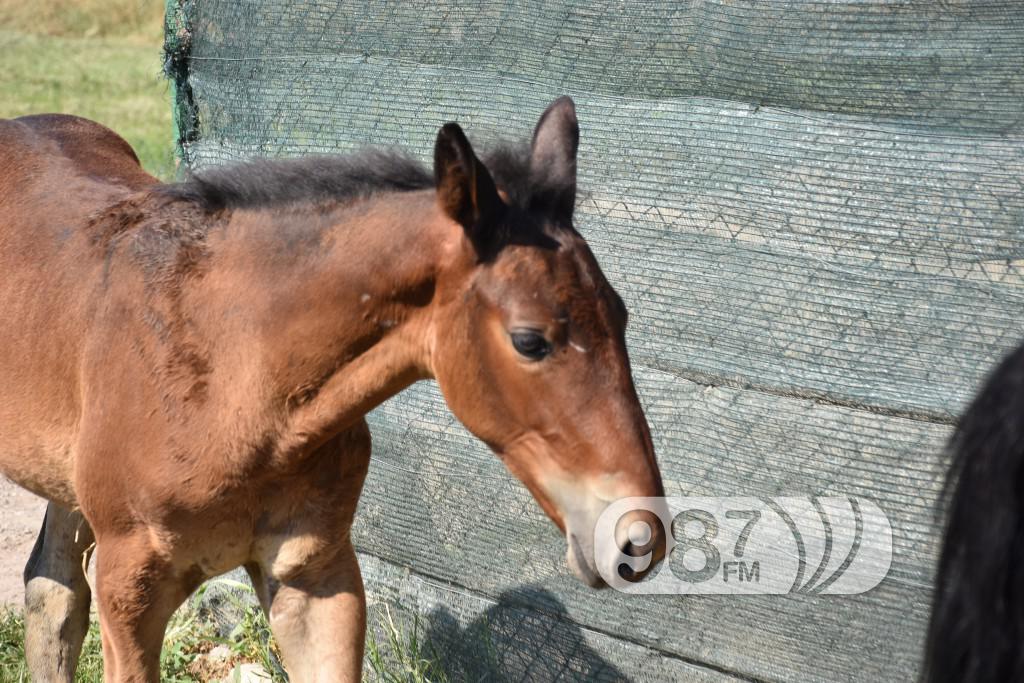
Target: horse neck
x,y
349,319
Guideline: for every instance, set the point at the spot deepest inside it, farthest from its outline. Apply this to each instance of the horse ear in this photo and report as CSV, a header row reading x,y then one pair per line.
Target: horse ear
x,y
465,188
553,155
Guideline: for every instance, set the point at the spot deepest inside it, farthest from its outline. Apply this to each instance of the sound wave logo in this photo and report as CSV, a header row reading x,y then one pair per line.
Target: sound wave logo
x,y
826,545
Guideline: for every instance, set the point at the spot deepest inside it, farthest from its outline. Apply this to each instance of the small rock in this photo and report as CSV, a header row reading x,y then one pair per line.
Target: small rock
x,y
213,665
219,653
248,673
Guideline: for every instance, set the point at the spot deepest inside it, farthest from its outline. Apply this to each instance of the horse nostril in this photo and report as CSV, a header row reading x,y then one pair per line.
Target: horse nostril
x,y
625,571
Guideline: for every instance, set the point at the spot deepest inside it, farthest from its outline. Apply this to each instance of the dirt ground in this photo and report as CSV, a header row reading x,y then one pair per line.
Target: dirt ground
x,y
21,514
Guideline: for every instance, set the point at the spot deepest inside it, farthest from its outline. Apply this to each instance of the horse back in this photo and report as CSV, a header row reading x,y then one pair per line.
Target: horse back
x,y
56,172
86,146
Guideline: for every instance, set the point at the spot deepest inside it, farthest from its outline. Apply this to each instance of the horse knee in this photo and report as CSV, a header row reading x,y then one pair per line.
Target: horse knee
x,y
49,599
56,621
288,612
57,596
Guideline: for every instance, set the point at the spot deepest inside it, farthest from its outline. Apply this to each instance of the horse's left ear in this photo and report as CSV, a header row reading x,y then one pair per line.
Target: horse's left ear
x,y
465,188
553,155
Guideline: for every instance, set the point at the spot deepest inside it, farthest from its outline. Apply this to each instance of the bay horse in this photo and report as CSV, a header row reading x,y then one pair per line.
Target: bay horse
x,y
186,368
977,625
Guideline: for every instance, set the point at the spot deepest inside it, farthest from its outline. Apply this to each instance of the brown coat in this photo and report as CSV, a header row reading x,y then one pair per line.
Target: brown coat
x,y
188,366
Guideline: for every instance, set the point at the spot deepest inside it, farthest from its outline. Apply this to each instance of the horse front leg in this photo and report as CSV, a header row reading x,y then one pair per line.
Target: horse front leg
x,y
57,595
137,592
305,567
318,618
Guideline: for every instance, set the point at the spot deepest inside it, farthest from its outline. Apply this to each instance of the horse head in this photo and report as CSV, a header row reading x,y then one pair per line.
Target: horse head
x,y
528,344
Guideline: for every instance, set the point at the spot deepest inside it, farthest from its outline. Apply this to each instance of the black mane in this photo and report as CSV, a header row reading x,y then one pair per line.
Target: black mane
x,y
263,183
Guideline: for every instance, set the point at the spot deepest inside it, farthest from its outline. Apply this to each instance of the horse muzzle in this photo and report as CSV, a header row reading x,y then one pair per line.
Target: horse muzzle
x,y
619,551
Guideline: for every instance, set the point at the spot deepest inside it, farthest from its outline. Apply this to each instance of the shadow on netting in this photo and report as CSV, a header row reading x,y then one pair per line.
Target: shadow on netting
x,y
511,642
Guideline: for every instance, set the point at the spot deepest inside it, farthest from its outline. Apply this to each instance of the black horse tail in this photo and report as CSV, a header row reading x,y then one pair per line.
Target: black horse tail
x,y
977,627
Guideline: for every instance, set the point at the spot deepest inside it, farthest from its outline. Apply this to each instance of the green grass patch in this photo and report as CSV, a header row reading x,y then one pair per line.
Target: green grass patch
x,y
189,637
113,80
396,651
12,647
12,651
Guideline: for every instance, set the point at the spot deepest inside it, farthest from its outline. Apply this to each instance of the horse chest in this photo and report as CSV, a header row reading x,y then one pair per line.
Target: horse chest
x,y
217,548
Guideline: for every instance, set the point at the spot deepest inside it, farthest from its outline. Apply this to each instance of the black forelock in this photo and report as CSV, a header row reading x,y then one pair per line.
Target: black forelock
x,y
509,165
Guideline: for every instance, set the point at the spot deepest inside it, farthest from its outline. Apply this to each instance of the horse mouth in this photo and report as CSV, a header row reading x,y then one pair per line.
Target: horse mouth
x,y
582,563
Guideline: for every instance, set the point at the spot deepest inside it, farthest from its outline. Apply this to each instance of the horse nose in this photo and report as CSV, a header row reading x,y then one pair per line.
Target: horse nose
x,y
646,539
626,571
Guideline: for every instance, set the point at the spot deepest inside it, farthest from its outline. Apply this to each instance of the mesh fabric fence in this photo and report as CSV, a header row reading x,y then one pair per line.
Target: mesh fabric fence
x,y
814,212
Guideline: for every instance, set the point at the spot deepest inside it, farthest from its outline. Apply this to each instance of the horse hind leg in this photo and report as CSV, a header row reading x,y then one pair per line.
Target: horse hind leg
x,y
57,595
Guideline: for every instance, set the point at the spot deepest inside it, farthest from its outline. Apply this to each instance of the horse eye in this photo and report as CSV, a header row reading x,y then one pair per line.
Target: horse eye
x,y
531,345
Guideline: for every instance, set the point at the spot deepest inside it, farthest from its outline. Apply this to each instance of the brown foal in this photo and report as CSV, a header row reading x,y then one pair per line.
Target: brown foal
x,y
186,367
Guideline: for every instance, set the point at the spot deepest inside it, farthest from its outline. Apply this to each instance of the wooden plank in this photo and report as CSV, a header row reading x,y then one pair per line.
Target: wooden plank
x,y
477,638
818,256
438,501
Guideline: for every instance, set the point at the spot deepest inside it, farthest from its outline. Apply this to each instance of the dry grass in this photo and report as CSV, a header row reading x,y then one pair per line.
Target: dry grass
x,y
139,21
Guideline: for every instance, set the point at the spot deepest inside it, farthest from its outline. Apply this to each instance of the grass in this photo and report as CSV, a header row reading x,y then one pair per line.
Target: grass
x,y
100,59
139,20
188,637
394,653
401,656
